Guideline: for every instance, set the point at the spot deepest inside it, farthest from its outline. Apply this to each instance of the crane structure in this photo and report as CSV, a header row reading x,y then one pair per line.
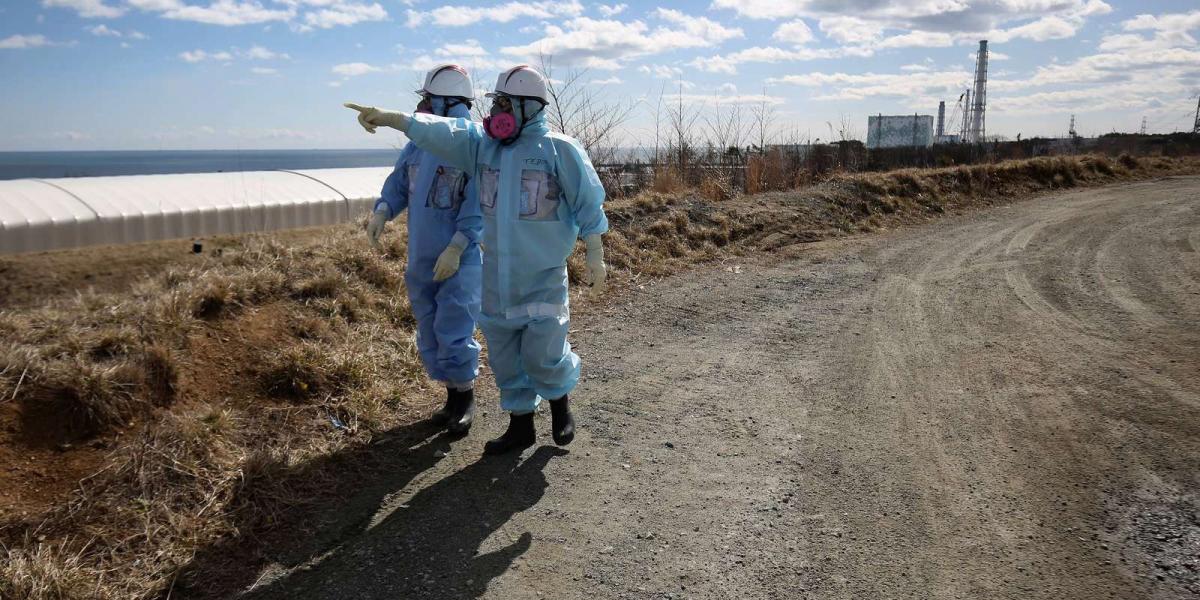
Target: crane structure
x,y
978,128
1196,127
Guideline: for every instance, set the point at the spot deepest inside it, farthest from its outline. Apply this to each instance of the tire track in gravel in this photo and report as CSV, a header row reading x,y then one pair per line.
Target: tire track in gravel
x,y
999,405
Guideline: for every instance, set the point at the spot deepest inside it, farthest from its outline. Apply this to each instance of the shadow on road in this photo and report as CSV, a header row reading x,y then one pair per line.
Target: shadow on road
x,y
428,548
324,509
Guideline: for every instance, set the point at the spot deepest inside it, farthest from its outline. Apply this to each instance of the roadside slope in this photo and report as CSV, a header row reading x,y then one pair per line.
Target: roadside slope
x,y
1001,405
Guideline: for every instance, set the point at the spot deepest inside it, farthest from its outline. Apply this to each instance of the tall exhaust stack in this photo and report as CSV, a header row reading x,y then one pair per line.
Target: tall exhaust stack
x,y
978,130
941,124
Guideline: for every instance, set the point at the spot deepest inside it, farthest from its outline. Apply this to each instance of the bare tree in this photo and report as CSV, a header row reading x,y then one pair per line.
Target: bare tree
x,y
578,109
724,127
847,130
764,122
682,119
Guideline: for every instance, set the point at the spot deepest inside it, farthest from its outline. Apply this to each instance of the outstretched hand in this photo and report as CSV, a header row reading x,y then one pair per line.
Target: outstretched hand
x,y
370,117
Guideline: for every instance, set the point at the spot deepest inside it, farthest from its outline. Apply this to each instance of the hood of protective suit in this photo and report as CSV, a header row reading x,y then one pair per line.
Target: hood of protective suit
x,y
537,124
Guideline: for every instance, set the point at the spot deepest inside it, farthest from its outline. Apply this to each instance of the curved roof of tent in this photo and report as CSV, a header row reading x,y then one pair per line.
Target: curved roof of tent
x,y
47,214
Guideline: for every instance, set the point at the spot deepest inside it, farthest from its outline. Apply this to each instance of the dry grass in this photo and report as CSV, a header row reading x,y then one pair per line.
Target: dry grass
x,y
203,379
213,382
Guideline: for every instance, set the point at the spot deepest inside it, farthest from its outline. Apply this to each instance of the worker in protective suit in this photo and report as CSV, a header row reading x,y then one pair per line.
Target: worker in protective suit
x,y
444,262
538,192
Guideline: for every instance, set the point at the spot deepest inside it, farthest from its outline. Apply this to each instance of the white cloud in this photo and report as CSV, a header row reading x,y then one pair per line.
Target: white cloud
x,y
89,9
264,71
762,9
354,69
607,43
850,30
917,88
726,99
611,11
696,31
928,23
1045,28
134,34
728,63
467,48
260,53
614,80
195,56
1177,22
102,30
254,53
661,71
19,42
345,14
227,13
727,88
460,16
794,32
917,39
468,54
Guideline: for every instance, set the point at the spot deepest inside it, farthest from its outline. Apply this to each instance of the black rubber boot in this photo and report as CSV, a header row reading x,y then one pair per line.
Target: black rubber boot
x,y
462,410
442,416
520,435
562,421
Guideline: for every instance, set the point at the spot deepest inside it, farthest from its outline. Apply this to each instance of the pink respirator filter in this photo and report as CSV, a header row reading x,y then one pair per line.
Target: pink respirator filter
x,y
500,126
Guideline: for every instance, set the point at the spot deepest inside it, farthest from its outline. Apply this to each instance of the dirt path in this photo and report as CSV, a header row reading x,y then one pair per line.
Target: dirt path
x,y
1002,405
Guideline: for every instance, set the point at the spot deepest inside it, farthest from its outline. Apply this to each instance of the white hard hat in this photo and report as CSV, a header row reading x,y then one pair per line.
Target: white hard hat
x,y
448,80
523,81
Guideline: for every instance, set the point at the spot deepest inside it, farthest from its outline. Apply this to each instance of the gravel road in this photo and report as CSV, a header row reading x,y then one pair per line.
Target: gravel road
x,y
1004,404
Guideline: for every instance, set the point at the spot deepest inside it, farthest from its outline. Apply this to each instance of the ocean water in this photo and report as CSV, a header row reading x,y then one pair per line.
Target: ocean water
x,y
18,165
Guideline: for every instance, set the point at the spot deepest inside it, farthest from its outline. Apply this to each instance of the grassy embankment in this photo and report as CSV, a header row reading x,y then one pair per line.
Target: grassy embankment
x,y
145,425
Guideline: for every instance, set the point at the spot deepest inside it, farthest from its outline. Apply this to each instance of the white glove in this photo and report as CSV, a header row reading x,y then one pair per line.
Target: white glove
x,y
370,117
447,263
375,226
595,264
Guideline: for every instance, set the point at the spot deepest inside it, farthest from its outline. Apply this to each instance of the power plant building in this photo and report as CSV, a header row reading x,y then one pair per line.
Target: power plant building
x,y
887,131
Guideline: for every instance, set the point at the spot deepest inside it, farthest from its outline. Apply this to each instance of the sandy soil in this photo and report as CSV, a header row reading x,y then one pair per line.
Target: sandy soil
x,y
998,405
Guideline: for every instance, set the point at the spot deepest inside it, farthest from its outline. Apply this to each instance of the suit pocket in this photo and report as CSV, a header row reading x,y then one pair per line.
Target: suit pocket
x,y
540,196
447,190
489,181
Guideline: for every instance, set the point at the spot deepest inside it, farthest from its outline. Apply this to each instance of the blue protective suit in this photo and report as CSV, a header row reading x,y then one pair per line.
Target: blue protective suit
x,y
537,195
443,206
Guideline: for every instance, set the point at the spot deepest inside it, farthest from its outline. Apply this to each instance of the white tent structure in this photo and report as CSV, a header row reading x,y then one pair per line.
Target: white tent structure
x,y
48,214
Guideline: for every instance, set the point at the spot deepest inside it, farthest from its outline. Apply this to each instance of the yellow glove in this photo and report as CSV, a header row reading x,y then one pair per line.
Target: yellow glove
x,y
597,272
447,263
375,227
370,117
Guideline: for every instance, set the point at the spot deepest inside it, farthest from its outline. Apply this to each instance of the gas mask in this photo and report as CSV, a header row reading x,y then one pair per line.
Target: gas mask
x,y
501,124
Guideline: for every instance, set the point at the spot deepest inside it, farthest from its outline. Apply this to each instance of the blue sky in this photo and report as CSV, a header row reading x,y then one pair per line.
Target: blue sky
x,y
229,74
